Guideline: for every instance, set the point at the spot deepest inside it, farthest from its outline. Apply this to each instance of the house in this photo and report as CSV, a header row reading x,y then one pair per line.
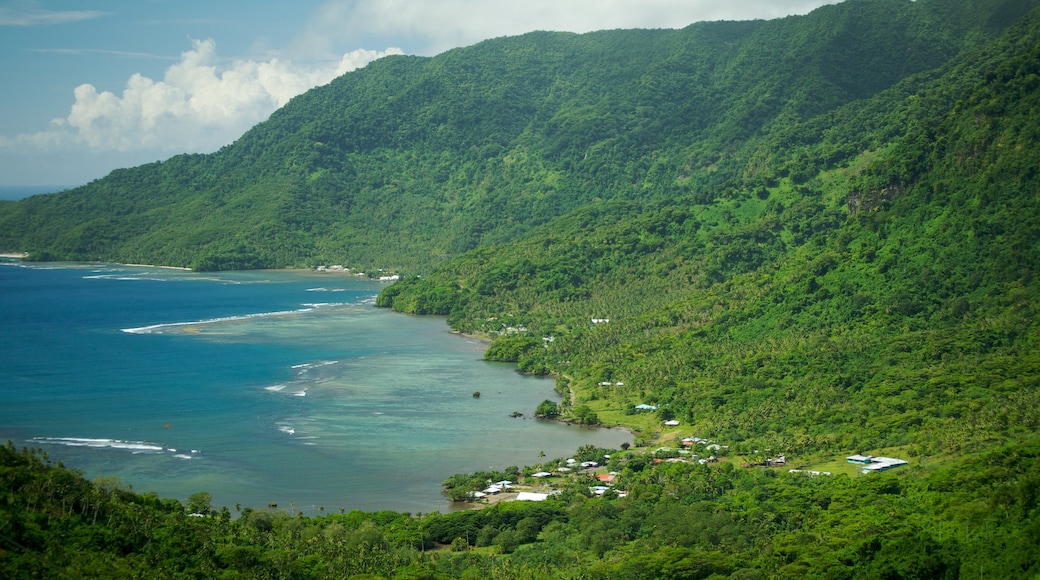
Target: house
x,y
541,474
645,407
531,496
671,423
606,477
871,464
883,463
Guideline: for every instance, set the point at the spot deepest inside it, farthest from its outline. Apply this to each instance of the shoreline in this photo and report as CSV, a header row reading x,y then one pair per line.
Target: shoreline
x,y
478,337
158,266
583,434
630,429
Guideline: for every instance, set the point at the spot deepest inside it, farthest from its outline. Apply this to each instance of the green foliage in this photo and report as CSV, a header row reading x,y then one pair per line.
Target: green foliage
x,y
585,415
200,503
510,348
547,410
950,519
813,236
890,300
411,161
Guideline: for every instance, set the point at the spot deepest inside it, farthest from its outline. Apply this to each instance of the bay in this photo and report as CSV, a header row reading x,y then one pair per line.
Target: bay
x,y
267,387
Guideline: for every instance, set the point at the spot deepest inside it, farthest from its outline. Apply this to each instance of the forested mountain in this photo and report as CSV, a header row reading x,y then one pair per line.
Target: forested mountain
x,y
414,160
813,236
893,283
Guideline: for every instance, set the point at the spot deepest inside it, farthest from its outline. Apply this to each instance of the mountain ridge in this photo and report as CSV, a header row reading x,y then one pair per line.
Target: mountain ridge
x,y
481,143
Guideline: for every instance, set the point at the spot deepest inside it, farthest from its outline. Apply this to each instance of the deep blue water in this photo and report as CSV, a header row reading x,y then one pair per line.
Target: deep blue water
x,y
258,387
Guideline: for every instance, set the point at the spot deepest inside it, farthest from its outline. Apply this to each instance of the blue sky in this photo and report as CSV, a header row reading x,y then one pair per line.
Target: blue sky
x,y
94,85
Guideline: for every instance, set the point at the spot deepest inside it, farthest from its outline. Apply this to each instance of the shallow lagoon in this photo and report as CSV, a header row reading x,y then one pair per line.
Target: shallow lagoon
x,y
258,387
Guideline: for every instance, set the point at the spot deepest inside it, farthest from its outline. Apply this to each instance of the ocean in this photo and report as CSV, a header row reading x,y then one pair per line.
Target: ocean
x,y
16,192
264,387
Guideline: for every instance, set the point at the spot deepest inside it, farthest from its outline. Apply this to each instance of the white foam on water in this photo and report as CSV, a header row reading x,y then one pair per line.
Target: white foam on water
x,y
125,278
286,428
167,325
314,365
134,446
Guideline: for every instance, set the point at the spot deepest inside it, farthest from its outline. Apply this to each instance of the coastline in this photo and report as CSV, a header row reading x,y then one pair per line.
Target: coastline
x,y
631,430
24,255
480,337
408,501
158,266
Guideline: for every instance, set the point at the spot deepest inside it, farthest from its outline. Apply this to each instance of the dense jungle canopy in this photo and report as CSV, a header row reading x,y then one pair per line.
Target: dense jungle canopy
x,y
814,236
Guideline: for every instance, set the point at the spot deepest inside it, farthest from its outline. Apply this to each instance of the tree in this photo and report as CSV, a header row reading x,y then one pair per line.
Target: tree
x,y
547,410
200,503
459,544
584,415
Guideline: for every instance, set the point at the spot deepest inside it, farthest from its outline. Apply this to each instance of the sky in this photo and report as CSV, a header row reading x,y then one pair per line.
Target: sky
x,y
89,86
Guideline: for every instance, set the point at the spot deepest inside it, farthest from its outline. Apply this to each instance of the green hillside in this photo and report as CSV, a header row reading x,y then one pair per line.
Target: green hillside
x,y
813,236
412,161
887,300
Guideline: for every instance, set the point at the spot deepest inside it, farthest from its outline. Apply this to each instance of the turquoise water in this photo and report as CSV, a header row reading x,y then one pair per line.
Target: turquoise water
x,y
258,387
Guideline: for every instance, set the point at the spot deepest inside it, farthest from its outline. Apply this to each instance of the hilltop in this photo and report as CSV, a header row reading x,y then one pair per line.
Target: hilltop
x,y
412,161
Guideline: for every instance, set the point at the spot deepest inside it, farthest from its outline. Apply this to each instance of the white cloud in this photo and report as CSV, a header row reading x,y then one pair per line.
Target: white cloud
x,y
203,103
450,23
198,106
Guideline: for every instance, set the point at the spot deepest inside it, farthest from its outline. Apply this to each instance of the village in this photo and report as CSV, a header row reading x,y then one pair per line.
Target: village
x,y
605,478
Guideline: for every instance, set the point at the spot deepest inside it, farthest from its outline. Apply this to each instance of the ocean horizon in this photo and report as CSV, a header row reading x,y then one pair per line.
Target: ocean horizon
x,y
16,192
261,387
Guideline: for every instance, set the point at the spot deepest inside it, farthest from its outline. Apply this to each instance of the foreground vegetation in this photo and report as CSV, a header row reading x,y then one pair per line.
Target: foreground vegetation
x,y
976,516
813,236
